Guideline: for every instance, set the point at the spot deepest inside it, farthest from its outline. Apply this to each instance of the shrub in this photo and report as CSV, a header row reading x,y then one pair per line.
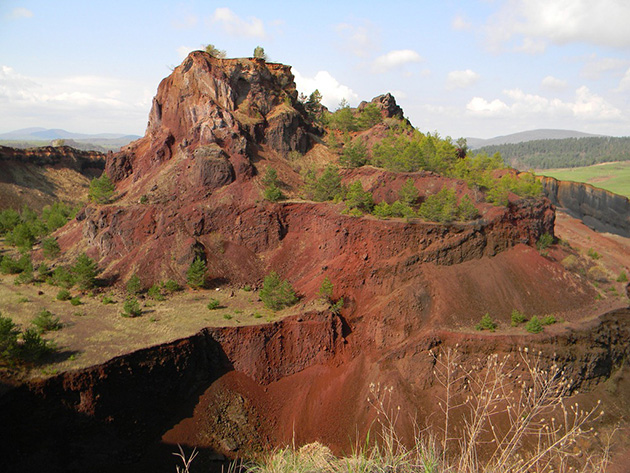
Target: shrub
x,y
357,198
172,286
570,262
9,219
101,189
134,286
85,271
622,277
486,323
326,187
354,155
369,116
62,277
517,318
46,321
155,293
593,254
213,51
63,295
273,194
534,325
597,273
107,299
50,247
8,337
259,53
43,271
75,301
34,348
544,242
272,190
276,293
196,274
326,290
548,320
440,207
408,193
131,307
214,304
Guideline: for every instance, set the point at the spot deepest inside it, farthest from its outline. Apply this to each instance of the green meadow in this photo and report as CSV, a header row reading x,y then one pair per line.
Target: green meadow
x,y
614,177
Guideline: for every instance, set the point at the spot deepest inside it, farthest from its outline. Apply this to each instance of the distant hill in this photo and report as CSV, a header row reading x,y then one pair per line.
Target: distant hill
x,y
29,137
531,135
562,153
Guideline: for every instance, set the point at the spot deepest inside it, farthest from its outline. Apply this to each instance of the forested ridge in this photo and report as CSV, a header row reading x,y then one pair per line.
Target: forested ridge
x,y
563,153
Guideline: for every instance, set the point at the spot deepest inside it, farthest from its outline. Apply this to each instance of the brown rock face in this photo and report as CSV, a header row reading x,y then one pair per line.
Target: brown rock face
x,y
233,104
386,103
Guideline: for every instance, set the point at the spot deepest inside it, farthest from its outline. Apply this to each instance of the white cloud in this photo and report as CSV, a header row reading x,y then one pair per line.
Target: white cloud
x,y
19,12
461,24
330,88
537,23
553,83
461,79
234,25
480,106
78,103
395,59
360,40
586,106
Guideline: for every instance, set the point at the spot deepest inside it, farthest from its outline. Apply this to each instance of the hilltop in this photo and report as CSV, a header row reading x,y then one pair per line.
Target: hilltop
x,y
530,135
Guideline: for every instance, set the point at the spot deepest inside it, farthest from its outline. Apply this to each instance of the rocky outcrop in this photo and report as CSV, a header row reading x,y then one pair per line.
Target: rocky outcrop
x,y
600,209
234,104
386,103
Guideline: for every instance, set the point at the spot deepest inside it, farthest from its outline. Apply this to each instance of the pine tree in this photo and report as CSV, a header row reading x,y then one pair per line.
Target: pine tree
x,y
196,274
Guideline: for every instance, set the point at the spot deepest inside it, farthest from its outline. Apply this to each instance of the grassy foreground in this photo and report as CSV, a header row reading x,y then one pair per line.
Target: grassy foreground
x,y
614,177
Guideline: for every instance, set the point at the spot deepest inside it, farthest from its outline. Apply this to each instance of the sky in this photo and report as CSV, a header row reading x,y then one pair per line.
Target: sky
x,y
467,68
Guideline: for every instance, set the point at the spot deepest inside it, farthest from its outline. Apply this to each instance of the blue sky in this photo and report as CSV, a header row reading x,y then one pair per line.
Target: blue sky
x,y
478,68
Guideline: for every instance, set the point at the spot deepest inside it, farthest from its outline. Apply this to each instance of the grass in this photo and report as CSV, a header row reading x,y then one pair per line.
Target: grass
x,y
614,177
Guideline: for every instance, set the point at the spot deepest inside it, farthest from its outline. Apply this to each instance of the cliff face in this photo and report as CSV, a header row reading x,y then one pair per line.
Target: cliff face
x,y
217,112
39,176
600,209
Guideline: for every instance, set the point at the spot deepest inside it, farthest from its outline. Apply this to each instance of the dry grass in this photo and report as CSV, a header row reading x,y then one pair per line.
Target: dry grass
x,y
94,332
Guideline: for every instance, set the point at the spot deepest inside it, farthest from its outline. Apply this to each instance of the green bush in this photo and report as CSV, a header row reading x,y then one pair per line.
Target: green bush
x,y
486,323
408,194
369,117
440,207
272,191
50,247
354,155
214,304
277,293
107,299
326,187
34,348
544,242
155,292
326,289
75,301
61,276
131,307
534,325
593,254
46,321
9,219
548,320
134,286
8,337
63,295
196,274
517,318
85,271
357,198
172,286
622,277
101,189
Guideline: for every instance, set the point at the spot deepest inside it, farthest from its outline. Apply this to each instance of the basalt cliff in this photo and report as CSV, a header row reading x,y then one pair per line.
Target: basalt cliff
x,y
192,188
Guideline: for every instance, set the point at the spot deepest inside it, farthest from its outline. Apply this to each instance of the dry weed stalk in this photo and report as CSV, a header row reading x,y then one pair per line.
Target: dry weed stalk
x,y
542,427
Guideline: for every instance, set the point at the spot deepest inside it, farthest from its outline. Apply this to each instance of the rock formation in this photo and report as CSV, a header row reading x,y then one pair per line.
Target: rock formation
x,y
598,208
